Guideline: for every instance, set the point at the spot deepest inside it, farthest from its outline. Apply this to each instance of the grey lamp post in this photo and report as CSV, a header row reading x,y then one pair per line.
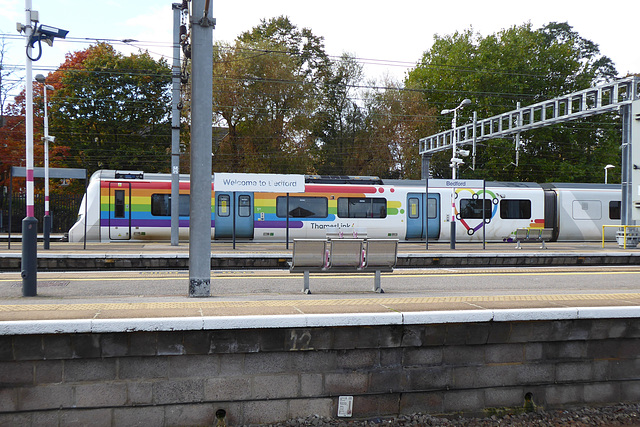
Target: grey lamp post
x,y
46,224
606,169
455,163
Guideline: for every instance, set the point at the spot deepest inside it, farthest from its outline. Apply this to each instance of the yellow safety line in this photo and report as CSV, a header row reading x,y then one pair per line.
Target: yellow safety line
x,y
308,303
227,276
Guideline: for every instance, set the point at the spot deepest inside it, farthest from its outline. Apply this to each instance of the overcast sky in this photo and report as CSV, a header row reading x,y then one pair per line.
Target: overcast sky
x,y
391,36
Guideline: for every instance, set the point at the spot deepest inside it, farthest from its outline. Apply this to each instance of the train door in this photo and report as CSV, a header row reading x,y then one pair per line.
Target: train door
x,y
226,207
415,216
119,210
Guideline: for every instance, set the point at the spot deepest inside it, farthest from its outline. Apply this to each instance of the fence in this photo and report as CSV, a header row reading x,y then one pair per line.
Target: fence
x,y
63,209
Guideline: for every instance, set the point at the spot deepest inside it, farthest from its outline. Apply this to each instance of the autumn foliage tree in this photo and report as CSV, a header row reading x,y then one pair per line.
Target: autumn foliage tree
x,y
264,92
112,110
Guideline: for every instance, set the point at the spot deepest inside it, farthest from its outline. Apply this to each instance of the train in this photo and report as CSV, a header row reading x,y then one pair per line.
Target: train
x,y
136,206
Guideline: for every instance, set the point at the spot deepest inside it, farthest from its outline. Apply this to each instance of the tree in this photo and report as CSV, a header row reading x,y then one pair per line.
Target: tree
x,y
8,80
339,122
264,91
13,139
112,110
398,118
524,65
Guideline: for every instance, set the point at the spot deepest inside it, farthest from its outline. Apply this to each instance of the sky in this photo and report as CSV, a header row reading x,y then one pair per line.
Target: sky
x,y
388,37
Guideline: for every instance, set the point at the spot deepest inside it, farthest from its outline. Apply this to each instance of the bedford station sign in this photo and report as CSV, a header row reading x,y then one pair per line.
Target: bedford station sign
x,y
258,182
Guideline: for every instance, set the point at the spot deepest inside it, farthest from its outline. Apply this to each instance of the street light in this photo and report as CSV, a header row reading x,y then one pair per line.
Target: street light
x,y
46,225
455,163
606,169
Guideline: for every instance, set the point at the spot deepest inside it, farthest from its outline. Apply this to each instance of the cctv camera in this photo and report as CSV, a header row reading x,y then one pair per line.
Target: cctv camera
x,y
46,34
463,153
455,160
51,32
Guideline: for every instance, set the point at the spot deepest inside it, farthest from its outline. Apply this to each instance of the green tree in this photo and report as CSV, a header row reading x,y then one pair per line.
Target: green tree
x,y
112,110
524,65
340,121
264,93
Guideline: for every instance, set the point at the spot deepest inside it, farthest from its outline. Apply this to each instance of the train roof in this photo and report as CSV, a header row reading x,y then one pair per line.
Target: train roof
x,y
370,180
438,183
579,186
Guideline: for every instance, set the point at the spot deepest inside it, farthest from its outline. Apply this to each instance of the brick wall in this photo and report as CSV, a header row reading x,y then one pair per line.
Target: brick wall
x,y
268,375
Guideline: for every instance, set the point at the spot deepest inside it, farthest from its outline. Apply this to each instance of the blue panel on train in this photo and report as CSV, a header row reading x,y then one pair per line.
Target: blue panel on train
x,y
233,208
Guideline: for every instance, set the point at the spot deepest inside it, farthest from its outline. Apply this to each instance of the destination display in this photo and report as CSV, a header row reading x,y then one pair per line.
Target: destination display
x,y
258,182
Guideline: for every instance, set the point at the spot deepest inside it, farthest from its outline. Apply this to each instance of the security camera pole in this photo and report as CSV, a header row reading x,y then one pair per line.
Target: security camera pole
x,y
33,35
201,133
29,223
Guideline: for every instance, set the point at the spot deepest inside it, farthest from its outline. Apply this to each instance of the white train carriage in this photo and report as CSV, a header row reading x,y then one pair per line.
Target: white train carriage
x,y
136,206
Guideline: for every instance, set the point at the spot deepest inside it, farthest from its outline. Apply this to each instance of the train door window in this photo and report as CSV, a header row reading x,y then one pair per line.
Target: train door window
x,y
362,207
614,209
223,204
414,207
515,209
119,200
587,209
472,208
302,207
244,206
433,208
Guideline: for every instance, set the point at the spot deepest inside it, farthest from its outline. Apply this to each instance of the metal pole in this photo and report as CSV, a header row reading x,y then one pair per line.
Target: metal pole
x,y
452,243
484,217
10,207
519,124
475,137
425,173
287,233
625,180
175,128
233,215
29,223
47,218
201,134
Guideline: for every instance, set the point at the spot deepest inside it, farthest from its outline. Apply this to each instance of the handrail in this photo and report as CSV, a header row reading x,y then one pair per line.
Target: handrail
x,y
625,233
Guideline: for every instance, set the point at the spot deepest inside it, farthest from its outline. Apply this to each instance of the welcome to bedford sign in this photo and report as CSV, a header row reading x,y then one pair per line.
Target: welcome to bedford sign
x,y
258,182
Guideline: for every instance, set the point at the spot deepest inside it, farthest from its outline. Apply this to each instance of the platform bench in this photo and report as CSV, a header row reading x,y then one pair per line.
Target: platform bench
x,y
344,256
536,235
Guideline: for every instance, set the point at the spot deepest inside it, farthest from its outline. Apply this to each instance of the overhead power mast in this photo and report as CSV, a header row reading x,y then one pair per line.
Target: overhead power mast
x,y
622,95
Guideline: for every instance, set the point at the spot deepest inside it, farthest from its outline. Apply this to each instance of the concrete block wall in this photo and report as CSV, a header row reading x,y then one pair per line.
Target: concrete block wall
x,y
267,375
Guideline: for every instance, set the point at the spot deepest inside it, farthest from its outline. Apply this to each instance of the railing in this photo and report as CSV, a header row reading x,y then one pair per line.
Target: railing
x,y
625,234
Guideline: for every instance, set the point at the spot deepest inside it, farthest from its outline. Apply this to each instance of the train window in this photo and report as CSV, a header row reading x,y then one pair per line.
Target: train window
x,y
433,208
302,207
161,205
362,207
515,209
614,209
244,206
414,208
223,204
587,209
118,204
472,208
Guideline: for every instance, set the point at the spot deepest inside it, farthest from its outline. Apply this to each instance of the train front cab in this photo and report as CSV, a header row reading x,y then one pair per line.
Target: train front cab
x,y
415,216
233,209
